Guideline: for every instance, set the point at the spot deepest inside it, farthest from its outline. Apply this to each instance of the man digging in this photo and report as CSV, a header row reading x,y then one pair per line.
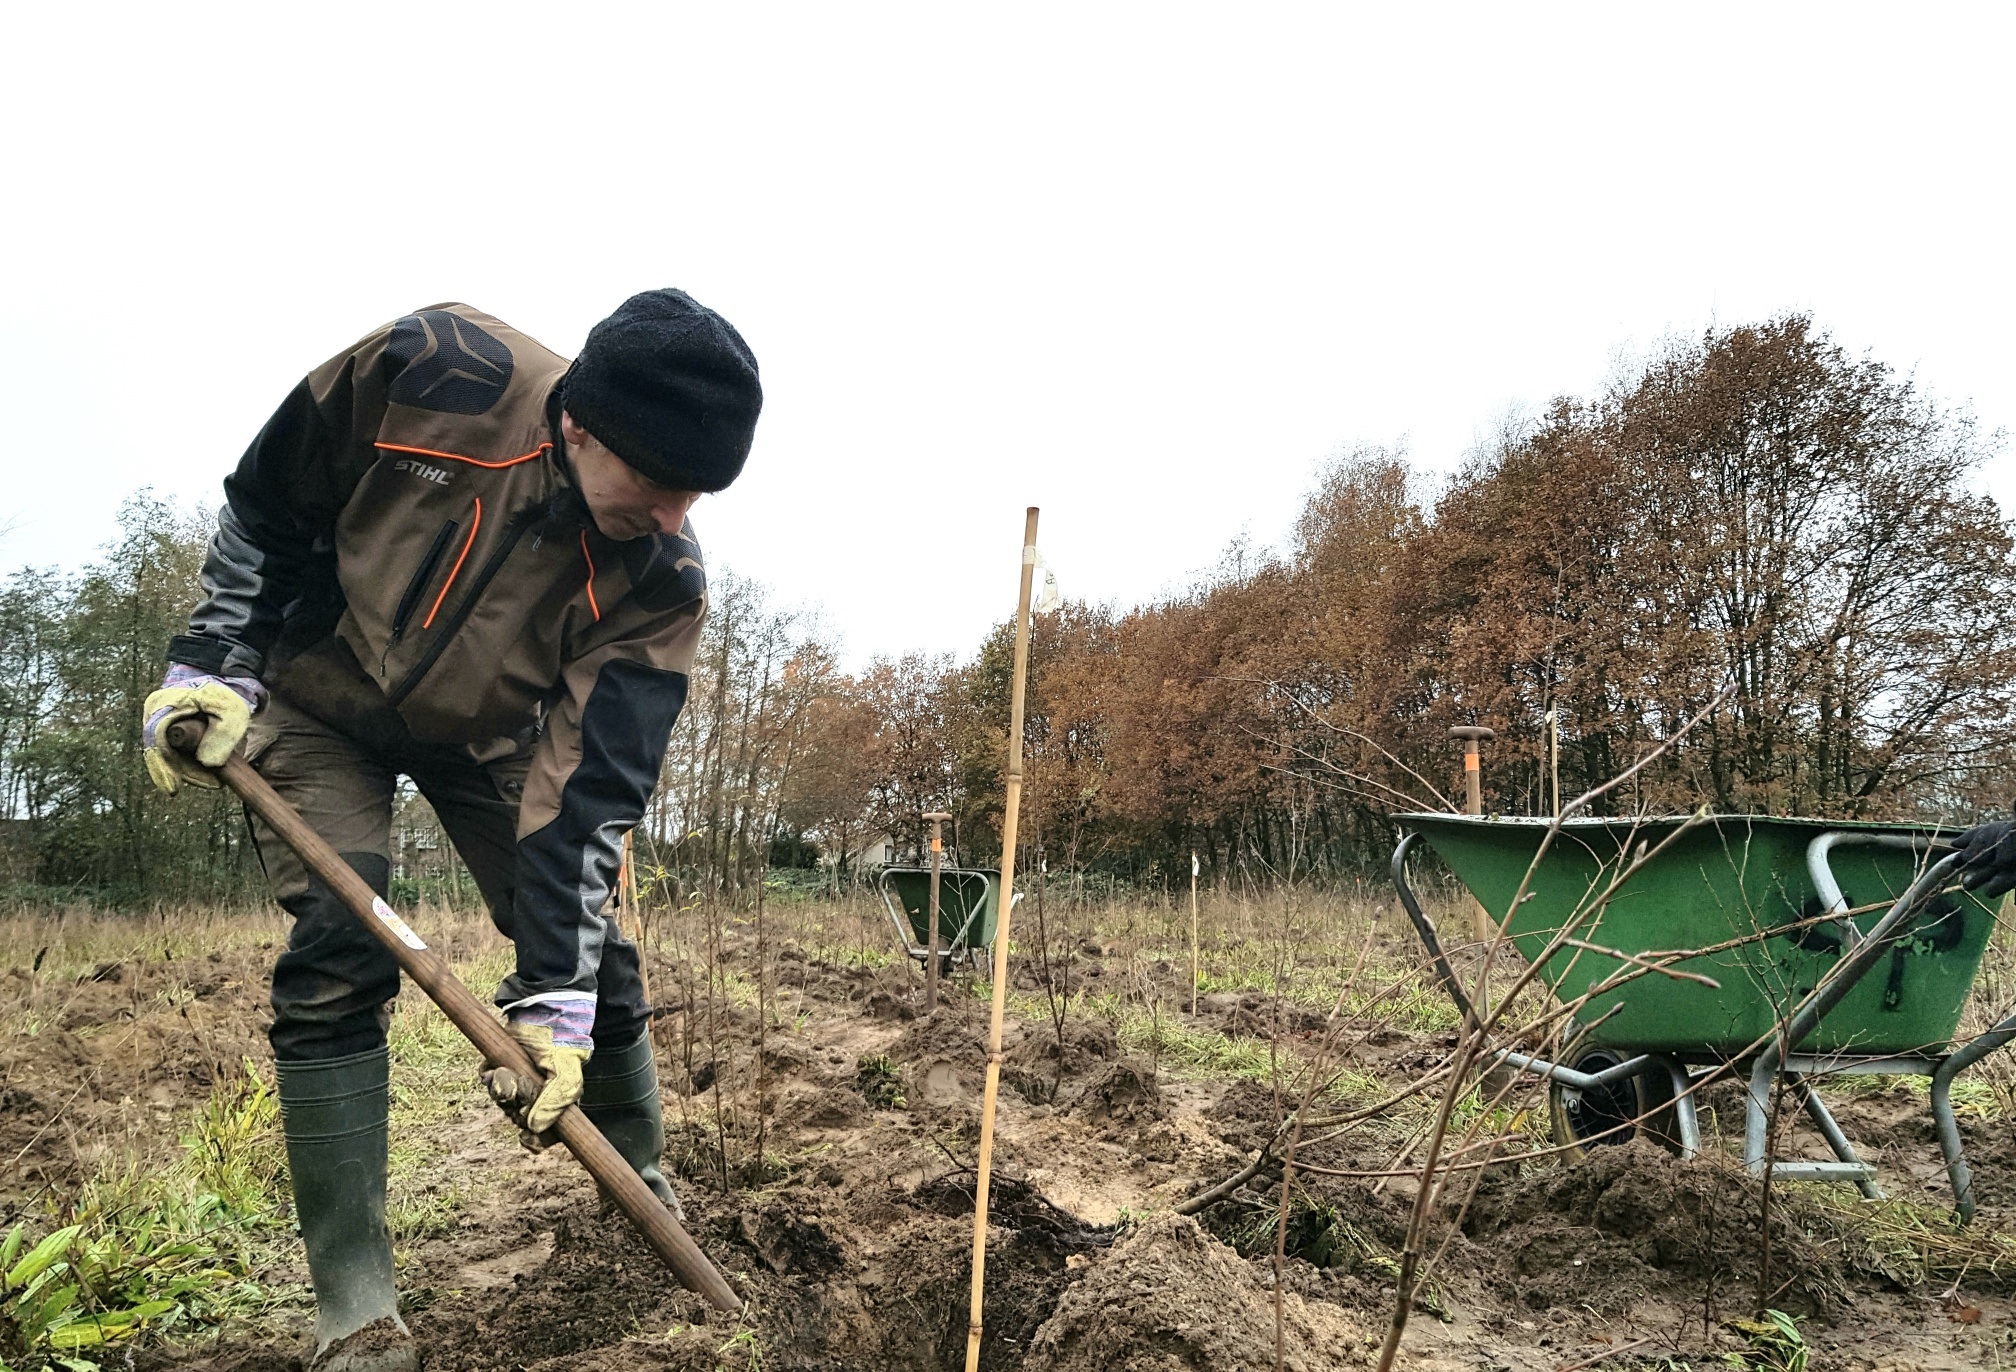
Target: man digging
x,y
452,556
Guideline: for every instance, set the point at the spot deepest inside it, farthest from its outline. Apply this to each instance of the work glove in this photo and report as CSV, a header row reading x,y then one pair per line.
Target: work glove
x,y
1988,858
228,701
556,1038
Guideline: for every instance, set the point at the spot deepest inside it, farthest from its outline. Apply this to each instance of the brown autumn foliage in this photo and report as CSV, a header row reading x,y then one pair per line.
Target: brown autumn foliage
x,y
1755,507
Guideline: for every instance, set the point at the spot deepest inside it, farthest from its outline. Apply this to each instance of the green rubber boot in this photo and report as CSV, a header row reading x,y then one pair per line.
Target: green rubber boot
x,y
619,1091
333,1113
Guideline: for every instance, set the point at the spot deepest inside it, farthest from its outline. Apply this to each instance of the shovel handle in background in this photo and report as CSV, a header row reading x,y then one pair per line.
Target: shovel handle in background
x,y
475,1019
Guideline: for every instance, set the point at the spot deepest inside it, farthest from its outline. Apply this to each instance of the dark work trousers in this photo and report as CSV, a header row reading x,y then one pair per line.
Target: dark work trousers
x,y
333,987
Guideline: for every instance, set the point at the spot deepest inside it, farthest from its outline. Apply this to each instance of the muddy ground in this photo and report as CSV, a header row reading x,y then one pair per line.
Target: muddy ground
x,y
851,1237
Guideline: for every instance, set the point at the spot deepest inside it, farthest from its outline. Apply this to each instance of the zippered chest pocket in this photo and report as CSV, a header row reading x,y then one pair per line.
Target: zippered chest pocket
x,y
409,599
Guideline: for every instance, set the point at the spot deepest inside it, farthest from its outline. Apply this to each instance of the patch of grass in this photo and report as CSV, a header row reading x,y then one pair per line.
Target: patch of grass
x,y
1915,1245
1417,1005
65,944
851,955
1971,1096
880,1082
423,1211
1184,1049
233,1150
148,1248
433,1078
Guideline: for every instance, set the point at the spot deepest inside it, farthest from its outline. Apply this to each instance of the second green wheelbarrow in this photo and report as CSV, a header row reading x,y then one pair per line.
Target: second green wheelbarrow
x,y
1832,948
968,908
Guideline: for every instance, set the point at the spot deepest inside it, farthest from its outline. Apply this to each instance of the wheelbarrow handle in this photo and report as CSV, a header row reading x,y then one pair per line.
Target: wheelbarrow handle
x,y
1426,931
667,1237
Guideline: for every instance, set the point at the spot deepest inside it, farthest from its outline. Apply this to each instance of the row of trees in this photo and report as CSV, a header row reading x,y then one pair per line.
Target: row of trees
x,y
79,653
1755,509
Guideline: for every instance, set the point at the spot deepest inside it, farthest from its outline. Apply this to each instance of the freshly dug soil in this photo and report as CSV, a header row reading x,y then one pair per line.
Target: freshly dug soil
x,y
379,1344
1170,1298
850,1235
1634,1219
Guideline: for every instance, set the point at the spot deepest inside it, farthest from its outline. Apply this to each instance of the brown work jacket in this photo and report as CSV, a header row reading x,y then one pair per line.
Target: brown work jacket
x,y
403,549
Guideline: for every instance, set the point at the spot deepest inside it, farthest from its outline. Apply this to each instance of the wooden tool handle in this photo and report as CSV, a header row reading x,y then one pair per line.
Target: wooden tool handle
x,y
475,1019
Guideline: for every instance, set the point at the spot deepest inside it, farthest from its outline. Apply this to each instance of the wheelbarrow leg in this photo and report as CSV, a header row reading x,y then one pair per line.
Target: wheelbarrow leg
x,y
1816,1109
1686,1123
1950,1146
1757,1129
1946,1125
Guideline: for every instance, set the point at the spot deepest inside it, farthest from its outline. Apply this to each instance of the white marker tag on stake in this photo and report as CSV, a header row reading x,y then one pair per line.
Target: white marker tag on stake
x,y
390,919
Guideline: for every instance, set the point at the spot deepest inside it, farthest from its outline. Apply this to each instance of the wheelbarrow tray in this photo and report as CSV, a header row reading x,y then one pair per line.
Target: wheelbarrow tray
x,y
1725,878
968,905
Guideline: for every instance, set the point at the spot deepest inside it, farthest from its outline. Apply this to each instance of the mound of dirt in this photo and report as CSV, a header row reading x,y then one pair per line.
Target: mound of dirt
x,y
1123,1092
785,1242
109,1047
1169,1298
1011,1203
1245,1114
1632,1219
944,1054
1088,1041
1031,1067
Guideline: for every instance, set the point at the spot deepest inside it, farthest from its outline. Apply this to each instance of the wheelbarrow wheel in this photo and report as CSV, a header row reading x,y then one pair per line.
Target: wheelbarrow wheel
x,y
1615,1114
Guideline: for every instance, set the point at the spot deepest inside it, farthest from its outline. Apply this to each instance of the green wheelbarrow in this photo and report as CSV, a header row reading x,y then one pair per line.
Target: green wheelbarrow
x,y
968,907
1832,948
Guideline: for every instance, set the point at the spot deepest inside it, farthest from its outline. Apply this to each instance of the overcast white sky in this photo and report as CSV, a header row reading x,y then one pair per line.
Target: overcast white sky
x,y
1144,266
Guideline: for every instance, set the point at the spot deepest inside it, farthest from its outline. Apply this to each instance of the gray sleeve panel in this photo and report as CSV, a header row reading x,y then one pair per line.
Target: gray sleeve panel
x,y
240,614
282,500
565,868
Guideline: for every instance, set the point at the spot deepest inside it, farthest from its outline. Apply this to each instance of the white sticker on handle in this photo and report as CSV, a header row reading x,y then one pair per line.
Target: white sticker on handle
x,y
390,919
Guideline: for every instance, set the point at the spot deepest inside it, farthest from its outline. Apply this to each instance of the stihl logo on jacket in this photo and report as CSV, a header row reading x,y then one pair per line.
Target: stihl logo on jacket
x,y
438,475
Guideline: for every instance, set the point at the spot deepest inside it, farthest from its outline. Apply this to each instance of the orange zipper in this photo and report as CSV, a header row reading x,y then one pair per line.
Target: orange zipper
x,y
467,543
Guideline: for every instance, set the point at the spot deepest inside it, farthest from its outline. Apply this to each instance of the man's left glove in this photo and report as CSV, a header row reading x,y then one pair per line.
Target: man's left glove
x,y
228,701
1988,858
556,1038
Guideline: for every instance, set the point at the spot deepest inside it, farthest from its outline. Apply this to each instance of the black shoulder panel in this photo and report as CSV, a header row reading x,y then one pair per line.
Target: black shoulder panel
x,y
666,572
441,361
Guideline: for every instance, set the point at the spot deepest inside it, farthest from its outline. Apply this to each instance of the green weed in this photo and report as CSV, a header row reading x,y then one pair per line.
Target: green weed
x,y
1776,1345
880,1082
743,1345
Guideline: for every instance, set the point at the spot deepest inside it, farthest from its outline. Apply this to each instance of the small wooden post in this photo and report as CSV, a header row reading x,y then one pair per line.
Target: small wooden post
x,y
1011,811
937,818
1554,756
1193,931
1473,804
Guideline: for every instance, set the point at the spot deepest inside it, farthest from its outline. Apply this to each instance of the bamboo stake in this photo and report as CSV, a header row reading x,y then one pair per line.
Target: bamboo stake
x,y
1009,816
626,897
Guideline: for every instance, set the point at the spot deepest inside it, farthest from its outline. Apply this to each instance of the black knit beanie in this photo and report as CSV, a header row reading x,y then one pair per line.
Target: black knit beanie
x,y
668,386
